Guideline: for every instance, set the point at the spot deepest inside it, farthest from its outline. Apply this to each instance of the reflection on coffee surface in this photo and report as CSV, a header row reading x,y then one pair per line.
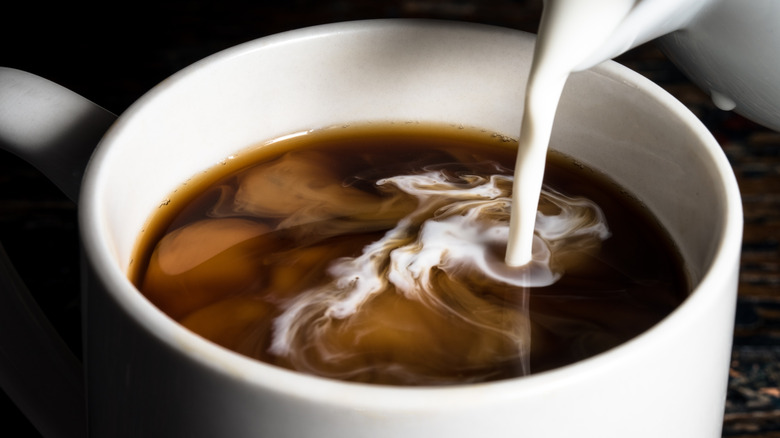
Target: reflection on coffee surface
x,y
376,254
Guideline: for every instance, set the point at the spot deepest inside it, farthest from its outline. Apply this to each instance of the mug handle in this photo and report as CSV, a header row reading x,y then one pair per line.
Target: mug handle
x,y
55,130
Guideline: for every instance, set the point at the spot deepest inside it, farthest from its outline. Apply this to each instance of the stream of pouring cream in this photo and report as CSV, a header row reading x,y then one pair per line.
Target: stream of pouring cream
x,y
569,31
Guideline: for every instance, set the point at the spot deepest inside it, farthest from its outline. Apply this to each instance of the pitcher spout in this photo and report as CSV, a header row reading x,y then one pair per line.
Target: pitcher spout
x,y
647,20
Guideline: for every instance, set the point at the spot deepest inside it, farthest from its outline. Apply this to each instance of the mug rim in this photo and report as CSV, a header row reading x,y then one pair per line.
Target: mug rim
x,y
254,372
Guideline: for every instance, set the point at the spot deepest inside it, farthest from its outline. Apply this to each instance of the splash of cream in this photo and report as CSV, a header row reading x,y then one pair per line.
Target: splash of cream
x,y
569,32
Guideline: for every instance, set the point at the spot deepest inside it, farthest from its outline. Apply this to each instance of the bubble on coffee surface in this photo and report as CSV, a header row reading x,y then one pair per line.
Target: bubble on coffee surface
x,y
386,272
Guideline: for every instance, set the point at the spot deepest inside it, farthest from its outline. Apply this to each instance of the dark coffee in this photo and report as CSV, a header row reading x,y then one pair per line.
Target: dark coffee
x,y
375,254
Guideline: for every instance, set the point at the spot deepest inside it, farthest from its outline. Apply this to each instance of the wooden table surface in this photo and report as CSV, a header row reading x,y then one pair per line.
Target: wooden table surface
x,y
112,53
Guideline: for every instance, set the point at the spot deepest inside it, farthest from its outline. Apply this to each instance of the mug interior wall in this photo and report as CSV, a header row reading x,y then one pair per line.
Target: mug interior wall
x,y
274,87
640,138
472,76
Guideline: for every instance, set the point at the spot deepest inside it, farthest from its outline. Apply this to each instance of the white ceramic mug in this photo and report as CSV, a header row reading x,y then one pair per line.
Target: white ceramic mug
x,y
149,377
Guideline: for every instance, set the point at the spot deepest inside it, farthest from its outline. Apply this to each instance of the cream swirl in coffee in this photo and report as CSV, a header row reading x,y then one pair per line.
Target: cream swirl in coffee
x,y
457,230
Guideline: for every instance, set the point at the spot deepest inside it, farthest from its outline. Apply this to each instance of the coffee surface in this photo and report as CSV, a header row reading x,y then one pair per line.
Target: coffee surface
x,y
375,254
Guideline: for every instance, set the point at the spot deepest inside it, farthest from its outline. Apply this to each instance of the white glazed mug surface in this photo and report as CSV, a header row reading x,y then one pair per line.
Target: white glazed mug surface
x,y
150,377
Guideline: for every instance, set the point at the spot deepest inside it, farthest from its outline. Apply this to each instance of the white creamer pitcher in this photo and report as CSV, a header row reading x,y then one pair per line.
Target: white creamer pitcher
x,y
729,48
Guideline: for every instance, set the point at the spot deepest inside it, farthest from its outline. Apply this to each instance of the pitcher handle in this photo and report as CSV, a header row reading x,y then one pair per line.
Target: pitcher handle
x,y
55,130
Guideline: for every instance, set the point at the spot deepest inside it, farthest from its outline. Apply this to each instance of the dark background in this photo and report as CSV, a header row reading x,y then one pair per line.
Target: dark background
x,y
113,52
